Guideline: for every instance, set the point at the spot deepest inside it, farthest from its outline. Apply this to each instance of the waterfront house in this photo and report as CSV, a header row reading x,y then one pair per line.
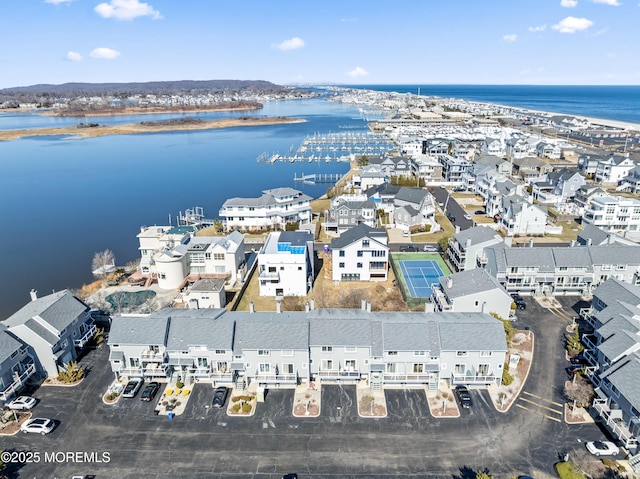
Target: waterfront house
x,y
204,293
360,254
471,291
153,239
273,210
17,364
286,264
426,167
347,211
465,249
631,182
612,352
614,214
391,165
369,176
57,327
612,169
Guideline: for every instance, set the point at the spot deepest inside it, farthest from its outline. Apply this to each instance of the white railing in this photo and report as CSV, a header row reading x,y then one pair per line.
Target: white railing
x,y
416,378
148,355
614,422
19,380
473,379
86,337
336,374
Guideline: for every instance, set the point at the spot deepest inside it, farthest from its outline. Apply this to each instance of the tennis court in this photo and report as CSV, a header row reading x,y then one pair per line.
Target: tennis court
x,y
420,276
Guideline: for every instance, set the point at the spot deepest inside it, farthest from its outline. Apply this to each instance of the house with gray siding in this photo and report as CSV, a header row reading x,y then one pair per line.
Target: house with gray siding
x,y
613,355
465,248
57,327
17,364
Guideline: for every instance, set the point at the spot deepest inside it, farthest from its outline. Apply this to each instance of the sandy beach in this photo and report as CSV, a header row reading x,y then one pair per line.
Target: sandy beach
x,y
146,127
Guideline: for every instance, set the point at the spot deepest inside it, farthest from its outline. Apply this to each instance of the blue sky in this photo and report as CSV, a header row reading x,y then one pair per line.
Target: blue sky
x,y
347,41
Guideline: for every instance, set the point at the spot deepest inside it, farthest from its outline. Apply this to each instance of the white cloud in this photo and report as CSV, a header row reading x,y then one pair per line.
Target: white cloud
x,y
104,53
74,56
126,10
510,38
358,72
613,3
568,3
540,28
57,2
572,25
290,44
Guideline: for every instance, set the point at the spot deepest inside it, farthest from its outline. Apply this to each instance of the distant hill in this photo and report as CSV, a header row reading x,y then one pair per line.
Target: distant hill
x,y
155,87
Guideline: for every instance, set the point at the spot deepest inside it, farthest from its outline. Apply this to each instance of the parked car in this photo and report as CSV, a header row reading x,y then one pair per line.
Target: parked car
x,y
290,476
519,300
132,388
575,369
220,396
432,248
467,216
405,233
602,448
451,217
408,249
478,212
40,425
150,391
464,396
22,403
579,358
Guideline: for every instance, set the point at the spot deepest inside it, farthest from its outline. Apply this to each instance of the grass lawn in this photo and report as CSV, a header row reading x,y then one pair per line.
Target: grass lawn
x,y
446,232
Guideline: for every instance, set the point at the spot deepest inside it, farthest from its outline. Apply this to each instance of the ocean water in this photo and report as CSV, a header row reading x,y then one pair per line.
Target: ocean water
x,y
620,103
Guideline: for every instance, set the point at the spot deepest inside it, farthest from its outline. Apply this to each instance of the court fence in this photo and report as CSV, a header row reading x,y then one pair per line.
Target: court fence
x,y
412,303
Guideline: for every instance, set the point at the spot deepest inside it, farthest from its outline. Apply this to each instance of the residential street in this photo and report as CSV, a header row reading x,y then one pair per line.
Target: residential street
x,y
206,443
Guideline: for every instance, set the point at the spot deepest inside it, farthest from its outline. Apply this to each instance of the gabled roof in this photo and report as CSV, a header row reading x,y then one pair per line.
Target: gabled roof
x,y
196,327
9,344
477,235
472,281
411,195
268,198
58,310
357,233
270,331
625,376
594,233
143,331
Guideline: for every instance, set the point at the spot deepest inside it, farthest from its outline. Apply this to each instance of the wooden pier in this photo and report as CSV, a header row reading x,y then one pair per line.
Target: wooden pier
x,y
318,178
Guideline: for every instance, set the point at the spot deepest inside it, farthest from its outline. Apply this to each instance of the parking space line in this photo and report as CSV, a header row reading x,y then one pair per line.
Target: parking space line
x,y
538,412
543,399
541,406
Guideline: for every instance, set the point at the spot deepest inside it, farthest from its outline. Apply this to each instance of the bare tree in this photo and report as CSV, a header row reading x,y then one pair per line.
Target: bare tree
x,y
588,464
102,261
580,391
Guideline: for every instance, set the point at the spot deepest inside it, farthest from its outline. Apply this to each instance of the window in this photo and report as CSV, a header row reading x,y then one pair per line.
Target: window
x,y
378,254
220,351
247,365
162,276
606,267
299,268
341,253
264,367
350,349
419,353
327,364
462,354
327,349
350,364
263,352
391,367
460,369
486,354
287,368
483,369
218,256
621,267
287,352
418,368
392,353
359,265
134,362
360,253
365,243
341,265
203,363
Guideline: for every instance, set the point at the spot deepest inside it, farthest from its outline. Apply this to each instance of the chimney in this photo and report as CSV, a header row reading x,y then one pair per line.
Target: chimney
x,y
307,308
313,304
467,244
449,282
572,243
588,241
278,307
508,240
34,294
251,307
368,307
530,243
457,229
363,304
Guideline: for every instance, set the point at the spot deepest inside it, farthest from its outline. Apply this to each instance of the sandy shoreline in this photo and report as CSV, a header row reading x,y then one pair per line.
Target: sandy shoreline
x,y
145,111
150,127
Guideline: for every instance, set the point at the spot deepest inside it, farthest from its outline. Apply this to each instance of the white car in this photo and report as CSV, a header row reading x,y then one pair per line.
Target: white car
x,y
602,448
40,425
22,403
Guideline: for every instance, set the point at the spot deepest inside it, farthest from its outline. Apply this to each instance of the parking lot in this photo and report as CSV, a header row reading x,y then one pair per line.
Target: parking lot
x,y
409,442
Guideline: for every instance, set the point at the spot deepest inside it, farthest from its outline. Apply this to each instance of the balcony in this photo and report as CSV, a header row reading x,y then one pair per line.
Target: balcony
x,y
335,374
410,378
206,373
473,379
615,423
276,378
589,342
19,379
586,314
441,300
86,337
153,356
269,276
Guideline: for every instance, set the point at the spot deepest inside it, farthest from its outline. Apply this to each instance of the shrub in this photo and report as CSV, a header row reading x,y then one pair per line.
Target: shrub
x,y
72,374
236,407
574,345
568,470
179,384
246,408
507,377
235,398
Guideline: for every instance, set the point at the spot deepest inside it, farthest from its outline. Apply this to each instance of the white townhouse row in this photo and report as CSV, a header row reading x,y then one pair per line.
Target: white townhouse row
x,y
284,348
41,338
273,210
171,254
613,355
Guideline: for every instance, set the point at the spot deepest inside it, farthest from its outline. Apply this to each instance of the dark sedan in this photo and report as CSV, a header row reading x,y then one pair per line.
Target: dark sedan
x,y
150,391
220,396
519,300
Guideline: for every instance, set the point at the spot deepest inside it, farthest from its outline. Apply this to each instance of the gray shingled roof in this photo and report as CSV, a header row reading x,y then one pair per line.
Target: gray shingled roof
x,y
406,336
149,330
270,330
572,257
357,233
594,233
411,195
471,332
42,331
340,331
472,281
268,198
208,284
625,376
296,238
210,328
542,258
9,344
57,309
613,290
477,235
615,254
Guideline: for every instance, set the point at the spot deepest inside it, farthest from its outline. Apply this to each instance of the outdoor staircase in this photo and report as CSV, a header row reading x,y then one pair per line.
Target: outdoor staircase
x,y
241,383
433,385
634,462
376,385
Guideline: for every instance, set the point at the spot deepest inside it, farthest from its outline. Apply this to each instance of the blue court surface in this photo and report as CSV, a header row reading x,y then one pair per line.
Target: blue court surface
x,y
419,276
